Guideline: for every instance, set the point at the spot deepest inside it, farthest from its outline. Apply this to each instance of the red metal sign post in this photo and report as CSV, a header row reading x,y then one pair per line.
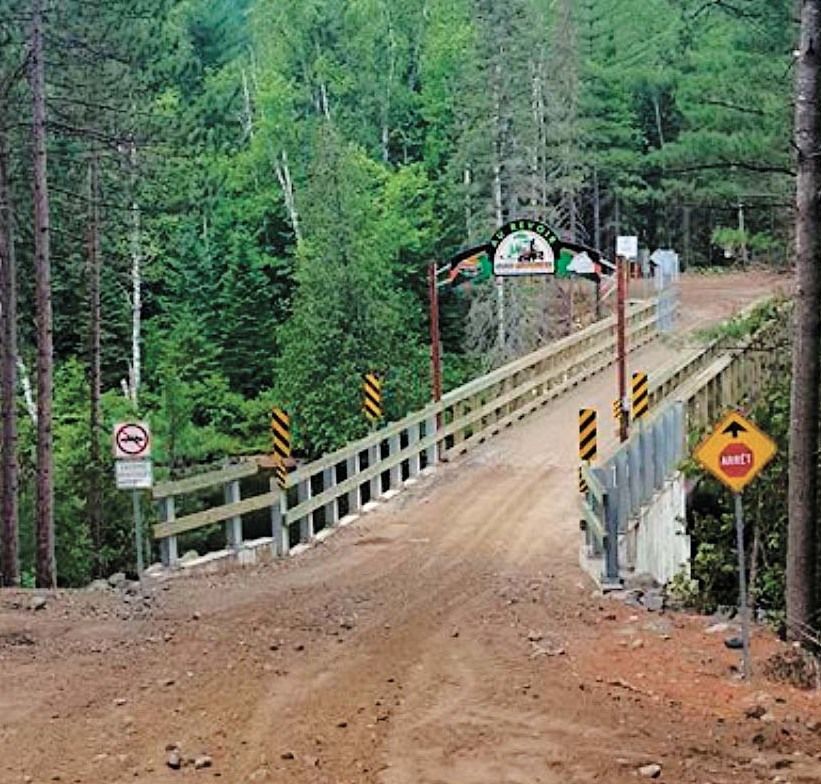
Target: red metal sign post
x,y
621,345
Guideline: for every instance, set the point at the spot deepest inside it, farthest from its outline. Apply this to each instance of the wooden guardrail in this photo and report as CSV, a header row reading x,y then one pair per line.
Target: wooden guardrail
x,y
735,376
338,485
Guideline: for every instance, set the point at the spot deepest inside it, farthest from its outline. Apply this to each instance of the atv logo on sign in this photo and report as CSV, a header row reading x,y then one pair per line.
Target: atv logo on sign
x,y
524,248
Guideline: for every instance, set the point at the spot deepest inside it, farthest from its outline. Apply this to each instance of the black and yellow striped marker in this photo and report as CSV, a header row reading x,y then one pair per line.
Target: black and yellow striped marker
x,y
281,433
641,395
372,397
281,470
588,441
616,409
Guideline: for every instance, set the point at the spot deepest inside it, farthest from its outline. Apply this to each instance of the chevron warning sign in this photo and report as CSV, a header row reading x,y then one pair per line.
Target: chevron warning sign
x,y
372,397
587,434
588,441
641,395
281,471
281,433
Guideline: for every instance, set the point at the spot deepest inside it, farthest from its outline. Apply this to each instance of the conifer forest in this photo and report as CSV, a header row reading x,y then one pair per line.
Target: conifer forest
x,y
212,207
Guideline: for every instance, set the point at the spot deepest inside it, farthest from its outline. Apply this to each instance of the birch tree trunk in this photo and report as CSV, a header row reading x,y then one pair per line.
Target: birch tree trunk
x,y
28,393
45,566
803,458
283,172
9,559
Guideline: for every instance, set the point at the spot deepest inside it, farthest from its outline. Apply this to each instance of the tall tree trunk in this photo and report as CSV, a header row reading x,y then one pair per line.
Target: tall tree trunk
x,y
25,385
596,211
804,422
467,181
136,286
9,559
45,567
283,172
497,199
94,502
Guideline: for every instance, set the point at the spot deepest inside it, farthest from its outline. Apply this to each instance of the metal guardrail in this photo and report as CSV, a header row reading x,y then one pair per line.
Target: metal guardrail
x,y
627,481
639,468
338,485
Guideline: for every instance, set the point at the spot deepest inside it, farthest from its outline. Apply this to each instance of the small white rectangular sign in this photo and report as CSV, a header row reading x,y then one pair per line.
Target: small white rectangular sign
x,y
134,474
628,247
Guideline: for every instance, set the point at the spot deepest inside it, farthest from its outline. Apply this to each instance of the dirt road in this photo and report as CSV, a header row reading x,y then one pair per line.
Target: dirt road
x,y
447,638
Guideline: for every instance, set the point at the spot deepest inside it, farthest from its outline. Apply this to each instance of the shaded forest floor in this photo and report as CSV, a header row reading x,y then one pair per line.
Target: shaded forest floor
x,y
447,637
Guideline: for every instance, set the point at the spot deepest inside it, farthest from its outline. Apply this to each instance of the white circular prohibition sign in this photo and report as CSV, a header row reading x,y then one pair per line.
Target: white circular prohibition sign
x,y
132,440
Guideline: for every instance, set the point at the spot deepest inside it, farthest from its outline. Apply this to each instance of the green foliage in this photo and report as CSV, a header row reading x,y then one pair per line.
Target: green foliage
x,y
741,326
349,314
712,521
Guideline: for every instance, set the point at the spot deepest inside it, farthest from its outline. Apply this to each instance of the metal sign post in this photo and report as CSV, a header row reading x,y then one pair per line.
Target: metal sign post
x,y
742,587
621,345
138,530
435,353
134,472
735,453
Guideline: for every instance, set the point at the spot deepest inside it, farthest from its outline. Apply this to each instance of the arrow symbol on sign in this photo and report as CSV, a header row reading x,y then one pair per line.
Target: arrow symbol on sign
x,y
734,428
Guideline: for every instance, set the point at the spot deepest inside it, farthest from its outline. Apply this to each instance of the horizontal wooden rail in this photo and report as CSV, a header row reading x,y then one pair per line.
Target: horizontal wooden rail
x,y
203,481
215,515
342,482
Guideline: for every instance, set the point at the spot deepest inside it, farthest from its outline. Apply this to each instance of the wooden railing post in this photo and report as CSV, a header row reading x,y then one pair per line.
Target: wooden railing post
x,y
376,482
279,521
331,508
354,498
168,545
394,446
233,526
306,524
413,460
432,453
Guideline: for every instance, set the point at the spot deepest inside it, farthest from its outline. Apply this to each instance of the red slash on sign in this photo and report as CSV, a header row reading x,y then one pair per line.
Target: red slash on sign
x,y
736,460
131,439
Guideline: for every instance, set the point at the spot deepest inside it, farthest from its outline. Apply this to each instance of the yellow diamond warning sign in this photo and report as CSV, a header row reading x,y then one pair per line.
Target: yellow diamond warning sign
x,y
736,451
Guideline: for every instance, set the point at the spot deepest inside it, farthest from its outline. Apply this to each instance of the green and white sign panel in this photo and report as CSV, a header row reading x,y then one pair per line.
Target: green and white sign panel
x,y
524,247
